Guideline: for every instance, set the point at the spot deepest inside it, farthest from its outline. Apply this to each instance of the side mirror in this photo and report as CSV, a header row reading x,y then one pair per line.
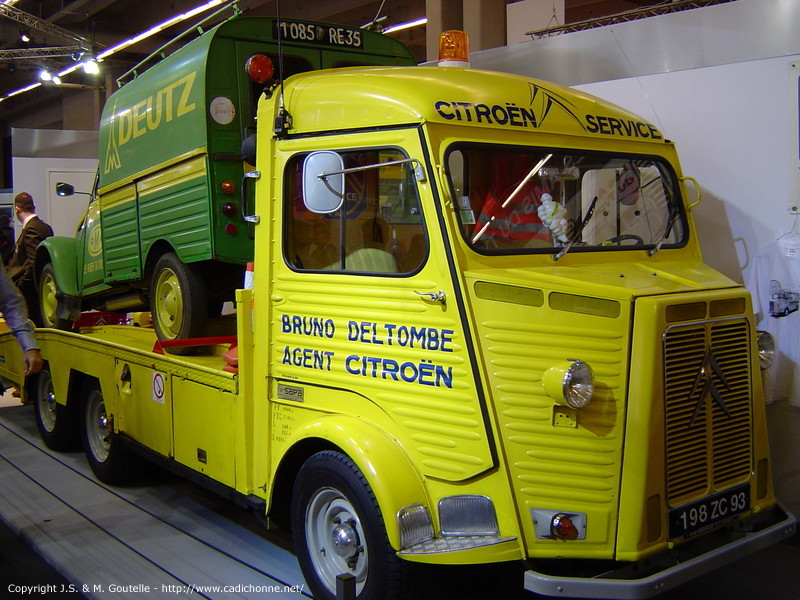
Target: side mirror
x,y
64,189
323,182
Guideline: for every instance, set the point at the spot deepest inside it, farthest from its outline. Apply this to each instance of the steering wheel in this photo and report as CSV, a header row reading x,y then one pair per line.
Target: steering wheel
x,y
625,237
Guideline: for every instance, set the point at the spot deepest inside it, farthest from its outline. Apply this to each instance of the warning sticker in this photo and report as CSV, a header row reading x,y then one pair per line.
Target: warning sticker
x,y
158,387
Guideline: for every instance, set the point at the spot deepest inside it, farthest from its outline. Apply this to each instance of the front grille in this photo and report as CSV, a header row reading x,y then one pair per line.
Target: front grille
x,y
708,407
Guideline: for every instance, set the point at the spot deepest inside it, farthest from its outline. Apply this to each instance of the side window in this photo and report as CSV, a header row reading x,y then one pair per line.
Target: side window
x,y
378,229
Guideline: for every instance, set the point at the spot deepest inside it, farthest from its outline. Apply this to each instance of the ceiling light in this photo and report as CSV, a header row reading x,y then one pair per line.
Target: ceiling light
x,y
45,75
158,28
109,51
408,25
56,79
90,67
23,36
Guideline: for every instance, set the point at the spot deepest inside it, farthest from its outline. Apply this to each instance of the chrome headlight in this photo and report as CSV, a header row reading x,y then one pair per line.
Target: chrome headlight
x,y
766,348
570,383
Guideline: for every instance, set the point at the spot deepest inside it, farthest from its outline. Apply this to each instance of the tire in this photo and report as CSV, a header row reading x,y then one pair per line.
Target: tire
x,y
48,302
178,301
57,424
337,528
108,459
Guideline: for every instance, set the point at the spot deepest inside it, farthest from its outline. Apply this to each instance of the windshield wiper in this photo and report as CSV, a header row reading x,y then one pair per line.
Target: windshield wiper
x,y
587,217
511,196
673,214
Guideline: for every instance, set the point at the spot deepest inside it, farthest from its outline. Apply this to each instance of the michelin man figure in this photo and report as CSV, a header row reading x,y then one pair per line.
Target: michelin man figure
x,y
553,215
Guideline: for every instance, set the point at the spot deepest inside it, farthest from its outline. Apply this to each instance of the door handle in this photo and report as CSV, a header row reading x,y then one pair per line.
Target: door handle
x,y
435,297
250,175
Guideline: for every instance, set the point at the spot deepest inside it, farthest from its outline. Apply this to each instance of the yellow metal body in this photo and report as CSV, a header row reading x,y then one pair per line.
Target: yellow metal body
x,y
462,410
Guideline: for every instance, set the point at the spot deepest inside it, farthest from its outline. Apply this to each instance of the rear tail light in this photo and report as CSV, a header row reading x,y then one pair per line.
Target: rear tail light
x,y
259,68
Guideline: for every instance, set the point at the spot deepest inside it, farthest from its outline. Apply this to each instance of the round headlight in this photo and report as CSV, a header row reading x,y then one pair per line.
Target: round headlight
x,y
570,383
578,385
766,348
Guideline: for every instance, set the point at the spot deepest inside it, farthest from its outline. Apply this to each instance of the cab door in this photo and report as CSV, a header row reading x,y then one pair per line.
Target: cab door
x,y
363,306
90,247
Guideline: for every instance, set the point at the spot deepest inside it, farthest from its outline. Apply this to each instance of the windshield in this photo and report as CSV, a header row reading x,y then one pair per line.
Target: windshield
x,y
535,200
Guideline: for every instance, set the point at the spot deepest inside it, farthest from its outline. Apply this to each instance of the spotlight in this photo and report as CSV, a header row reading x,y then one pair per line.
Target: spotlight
x,y
90,67
23,36
45,75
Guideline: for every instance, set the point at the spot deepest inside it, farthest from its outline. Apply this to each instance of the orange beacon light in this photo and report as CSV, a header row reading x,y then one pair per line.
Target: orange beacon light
x,y
454,49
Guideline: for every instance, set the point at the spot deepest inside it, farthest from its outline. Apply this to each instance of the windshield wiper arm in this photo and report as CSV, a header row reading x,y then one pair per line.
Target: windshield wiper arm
x,y
587,217
511,196
673,214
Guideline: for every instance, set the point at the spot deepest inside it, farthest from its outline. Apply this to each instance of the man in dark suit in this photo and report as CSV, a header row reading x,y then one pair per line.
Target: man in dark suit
x,y
20,265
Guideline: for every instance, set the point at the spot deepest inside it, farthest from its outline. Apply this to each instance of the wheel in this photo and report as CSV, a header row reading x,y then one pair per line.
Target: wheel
x,y
178,301
337,528
109,460
56,423
48,300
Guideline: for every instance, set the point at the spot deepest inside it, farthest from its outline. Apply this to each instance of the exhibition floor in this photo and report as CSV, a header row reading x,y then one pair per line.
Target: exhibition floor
x,y
166,537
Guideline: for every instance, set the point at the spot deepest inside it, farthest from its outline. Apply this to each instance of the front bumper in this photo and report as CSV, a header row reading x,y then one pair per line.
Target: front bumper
x,y
674,567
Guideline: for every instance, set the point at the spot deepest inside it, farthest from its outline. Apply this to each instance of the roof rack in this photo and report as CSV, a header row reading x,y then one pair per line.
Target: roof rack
x,y
121,80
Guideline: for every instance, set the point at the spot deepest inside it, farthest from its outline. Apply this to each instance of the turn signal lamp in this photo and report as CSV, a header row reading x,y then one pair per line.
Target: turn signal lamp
x,y
557,524
570,383
562,527
227,187
259,68
454,49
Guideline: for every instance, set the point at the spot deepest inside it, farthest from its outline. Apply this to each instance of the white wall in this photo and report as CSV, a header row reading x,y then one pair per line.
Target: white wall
x,y
43,157
735,127
38,177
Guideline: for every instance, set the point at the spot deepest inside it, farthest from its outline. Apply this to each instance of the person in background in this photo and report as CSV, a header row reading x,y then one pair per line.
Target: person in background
x,y
6,238
12,306
20,265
